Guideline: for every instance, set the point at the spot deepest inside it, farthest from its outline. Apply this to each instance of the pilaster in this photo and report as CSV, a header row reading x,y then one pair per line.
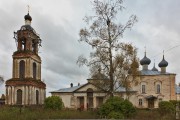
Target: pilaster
x,y
85,102
94,102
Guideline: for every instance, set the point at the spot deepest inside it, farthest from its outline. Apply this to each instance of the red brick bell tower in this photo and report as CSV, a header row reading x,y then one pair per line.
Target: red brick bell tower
x,y
26,87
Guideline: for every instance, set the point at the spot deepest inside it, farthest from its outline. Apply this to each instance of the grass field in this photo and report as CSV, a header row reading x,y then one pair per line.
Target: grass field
x,y
34,113
38,113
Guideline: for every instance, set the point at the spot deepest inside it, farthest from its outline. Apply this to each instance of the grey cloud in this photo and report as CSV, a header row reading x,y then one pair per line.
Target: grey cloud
x,y
158,29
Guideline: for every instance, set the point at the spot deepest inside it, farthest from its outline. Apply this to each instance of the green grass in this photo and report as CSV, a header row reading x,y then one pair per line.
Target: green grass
x,y
34,113
152,114
38,113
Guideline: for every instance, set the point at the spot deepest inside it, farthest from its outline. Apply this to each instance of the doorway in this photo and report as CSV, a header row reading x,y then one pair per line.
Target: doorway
x,y
150,103
19,97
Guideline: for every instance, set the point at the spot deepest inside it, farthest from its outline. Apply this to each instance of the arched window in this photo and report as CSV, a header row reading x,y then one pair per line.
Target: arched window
x,y
140,102
143,89
158,89
89,98
19,96
34,70
21,69
37,97
24,44
34,46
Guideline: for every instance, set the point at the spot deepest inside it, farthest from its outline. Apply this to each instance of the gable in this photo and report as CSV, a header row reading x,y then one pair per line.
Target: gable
x,y
87,86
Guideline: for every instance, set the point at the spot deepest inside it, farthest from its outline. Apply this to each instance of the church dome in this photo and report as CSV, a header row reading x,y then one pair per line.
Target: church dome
x,y
163,63
154,69
145,61
28,17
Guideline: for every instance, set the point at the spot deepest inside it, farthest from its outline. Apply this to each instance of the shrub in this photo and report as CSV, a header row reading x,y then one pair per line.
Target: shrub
x,y
115,115
127,108
166,108
174,102
116,107
112,104
53,102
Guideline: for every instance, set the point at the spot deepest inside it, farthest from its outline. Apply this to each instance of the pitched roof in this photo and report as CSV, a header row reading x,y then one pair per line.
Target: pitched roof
x,y
151,72
71,89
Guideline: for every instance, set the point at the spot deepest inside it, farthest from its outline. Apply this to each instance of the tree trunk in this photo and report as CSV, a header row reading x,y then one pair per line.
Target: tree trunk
x,y
111,64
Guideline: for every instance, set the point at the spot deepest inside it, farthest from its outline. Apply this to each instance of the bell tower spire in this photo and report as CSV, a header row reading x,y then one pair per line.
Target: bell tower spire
x,y
26,87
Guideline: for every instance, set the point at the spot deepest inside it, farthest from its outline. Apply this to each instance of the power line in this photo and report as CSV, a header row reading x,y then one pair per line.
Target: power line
x,y
166,50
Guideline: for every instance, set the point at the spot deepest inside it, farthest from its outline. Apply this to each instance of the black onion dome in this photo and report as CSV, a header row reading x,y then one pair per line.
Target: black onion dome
x,y
145,61
28,17
163,63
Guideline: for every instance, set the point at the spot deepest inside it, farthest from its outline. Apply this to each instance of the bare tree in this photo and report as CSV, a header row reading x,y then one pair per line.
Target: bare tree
x,y
1,80
115,59
3,96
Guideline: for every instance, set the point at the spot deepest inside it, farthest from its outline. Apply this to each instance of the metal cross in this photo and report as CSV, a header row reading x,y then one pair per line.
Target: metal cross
x,y
28,8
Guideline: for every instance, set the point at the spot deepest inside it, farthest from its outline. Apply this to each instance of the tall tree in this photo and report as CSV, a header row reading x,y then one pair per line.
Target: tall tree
x,y
112,58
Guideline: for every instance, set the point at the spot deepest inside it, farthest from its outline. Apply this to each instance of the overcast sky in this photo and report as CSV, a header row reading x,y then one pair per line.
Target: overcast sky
x,y
58,22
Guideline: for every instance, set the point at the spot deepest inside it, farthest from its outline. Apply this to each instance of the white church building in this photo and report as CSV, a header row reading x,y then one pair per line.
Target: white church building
x,y
153,86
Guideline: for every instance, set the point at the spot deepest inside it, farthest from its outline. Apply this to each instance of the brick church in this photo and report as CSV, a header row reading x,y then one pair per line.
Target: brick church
x,y
25,87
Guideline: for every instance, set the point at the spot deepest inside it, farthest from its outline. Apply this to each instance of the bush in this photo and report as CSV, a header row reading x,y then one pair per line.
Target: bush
x,y
166,108
115,115
53,102
174,102
128,109
116,107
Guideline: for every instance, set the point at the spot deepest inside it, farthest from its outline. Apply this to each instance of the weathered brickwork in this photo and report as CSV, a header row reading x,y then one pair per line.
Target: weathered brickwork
x,y
25,87
166,90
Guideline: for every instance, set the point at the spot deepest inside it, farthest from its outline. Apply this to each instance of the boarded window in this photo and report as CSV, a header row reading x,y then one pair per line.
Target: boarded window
x,y
19,97
37,97
21,69
34,70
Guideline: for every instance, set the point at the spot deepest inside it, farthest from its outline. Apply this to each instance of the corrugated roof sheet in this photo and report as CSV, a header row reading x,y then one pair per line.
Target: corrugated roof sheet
x,y
150,72
120,89
71,89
